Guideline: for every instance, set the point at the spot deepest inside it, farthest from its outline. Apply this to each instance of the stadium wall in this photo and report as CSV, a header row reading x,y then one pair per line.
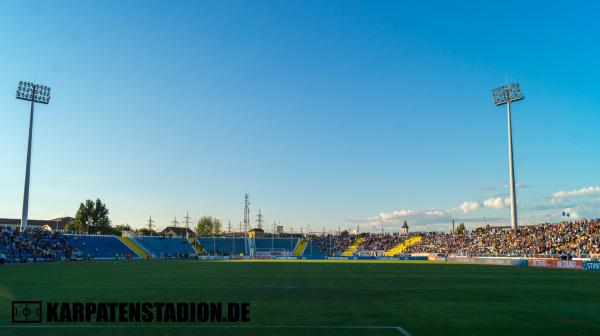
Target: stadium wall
x,y
349,258
490,261
591,265
555,263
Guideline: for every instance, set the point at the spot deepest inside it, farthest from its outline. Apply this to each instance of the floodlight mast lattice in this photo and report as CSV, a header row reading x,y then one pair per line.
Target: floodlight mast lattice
x,y
505,95
34,93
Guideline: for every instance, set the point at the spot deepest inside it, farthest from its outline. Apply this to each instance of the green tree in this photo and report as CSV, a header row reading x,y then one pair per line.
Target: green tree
x,y
92,217
216,230
146,232
122,227
207,226
460,229
75,226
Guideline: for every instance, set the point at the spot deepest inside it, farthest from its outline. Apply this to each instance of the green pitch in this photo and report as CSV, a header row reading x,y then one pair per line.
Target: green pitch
x,y
319,298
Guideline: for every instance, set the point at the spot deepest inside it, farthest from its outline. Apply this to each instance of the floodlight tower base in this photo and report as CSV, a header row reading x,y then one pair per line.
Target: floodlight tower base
x,y
513,196
27,170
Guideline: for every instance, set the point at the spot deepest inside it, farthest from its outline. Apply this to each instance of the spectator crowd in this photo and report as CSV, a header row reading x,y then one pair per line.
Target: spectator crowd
x,y
578,238
329,244
381,242
32,243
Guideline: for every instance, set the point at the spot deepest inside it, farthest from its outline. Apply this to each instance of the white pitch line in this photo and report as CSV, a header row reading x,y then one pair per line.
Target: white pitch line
x,y
402,331
215,325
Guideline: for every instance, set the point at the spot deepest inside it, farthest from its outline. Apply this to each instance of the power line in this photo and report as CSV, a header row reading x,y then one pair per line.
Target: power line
x,y
187,219
150,221
246,212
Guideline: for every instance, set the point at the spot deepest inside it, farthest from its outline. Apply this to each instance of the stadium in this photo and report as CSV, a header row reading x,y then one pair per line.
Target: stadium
x,y
355,284
372,137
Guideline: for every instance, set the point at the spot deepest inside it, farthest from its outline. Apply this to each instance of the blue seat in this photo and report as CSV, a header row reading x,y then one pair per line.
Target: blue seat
x,y
165,247
223,245
101,247
277,244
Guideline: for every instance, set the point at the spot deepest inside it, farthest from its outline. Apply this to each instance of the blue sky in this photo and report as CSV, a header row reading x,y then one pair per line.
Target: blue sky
x,y
329,114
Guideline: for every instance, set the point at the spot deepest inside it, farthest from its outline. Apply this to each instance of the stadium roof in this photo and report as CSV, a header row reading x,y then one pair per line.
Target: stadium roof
x,y
52,223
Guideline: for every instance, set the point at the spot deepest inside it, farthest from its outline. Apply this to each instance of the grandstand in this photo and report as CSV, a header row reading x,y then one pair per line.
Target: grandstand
x,y
165,247
314,247
100,247
237,246
573,239
276,246
223,245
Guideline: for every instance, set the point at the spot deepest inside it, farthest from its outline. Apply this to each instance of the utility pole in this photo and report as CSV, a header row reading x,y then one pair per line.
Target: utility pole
x,y
260,219
150,222
187,219
229,226
246,212
174,222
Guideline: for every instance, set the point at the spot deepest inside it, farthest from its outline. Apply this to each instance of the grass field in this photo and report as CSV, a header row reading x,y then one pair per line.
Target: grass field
x,y
319,298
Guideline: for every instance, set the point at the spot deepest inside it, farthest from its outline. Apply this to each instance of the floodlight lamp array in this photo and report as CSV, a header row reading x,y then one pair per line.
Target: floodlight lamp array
x,y
506,93
33,92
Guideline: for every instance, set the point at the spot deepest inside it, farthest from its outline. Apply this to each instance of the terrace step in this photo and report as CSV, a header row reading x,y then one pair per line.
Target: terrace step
x,y
192,241
300,247
353,247
402,246
135,247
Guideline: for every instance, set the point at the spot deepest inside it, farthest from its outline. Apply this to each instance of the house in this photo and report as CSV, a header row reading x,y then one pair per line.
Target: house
x,y
175,231
256,233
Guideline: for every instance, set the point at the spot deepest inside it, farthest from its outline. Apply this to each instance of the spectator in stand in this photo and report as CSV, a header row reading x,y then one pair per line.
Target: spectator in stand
x,y
567,238
35,244
377,244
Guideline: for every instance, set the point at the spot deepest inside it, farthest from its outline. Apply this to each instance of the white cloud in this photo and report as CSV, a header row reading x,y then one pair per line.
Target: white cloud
x,y
467,207
436,212
417,217
395,215
496,202
572,212
421,217
576,193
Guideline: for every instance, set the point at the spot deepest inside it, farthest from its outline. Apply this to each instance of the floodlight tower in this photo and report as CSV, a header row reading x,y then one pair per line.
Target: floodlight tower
x,y
505,95
34,93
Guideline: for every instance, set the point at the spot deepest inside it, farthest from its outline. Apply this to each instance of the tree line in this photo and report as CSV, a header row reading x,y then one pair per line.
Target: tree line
x,y
92,217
